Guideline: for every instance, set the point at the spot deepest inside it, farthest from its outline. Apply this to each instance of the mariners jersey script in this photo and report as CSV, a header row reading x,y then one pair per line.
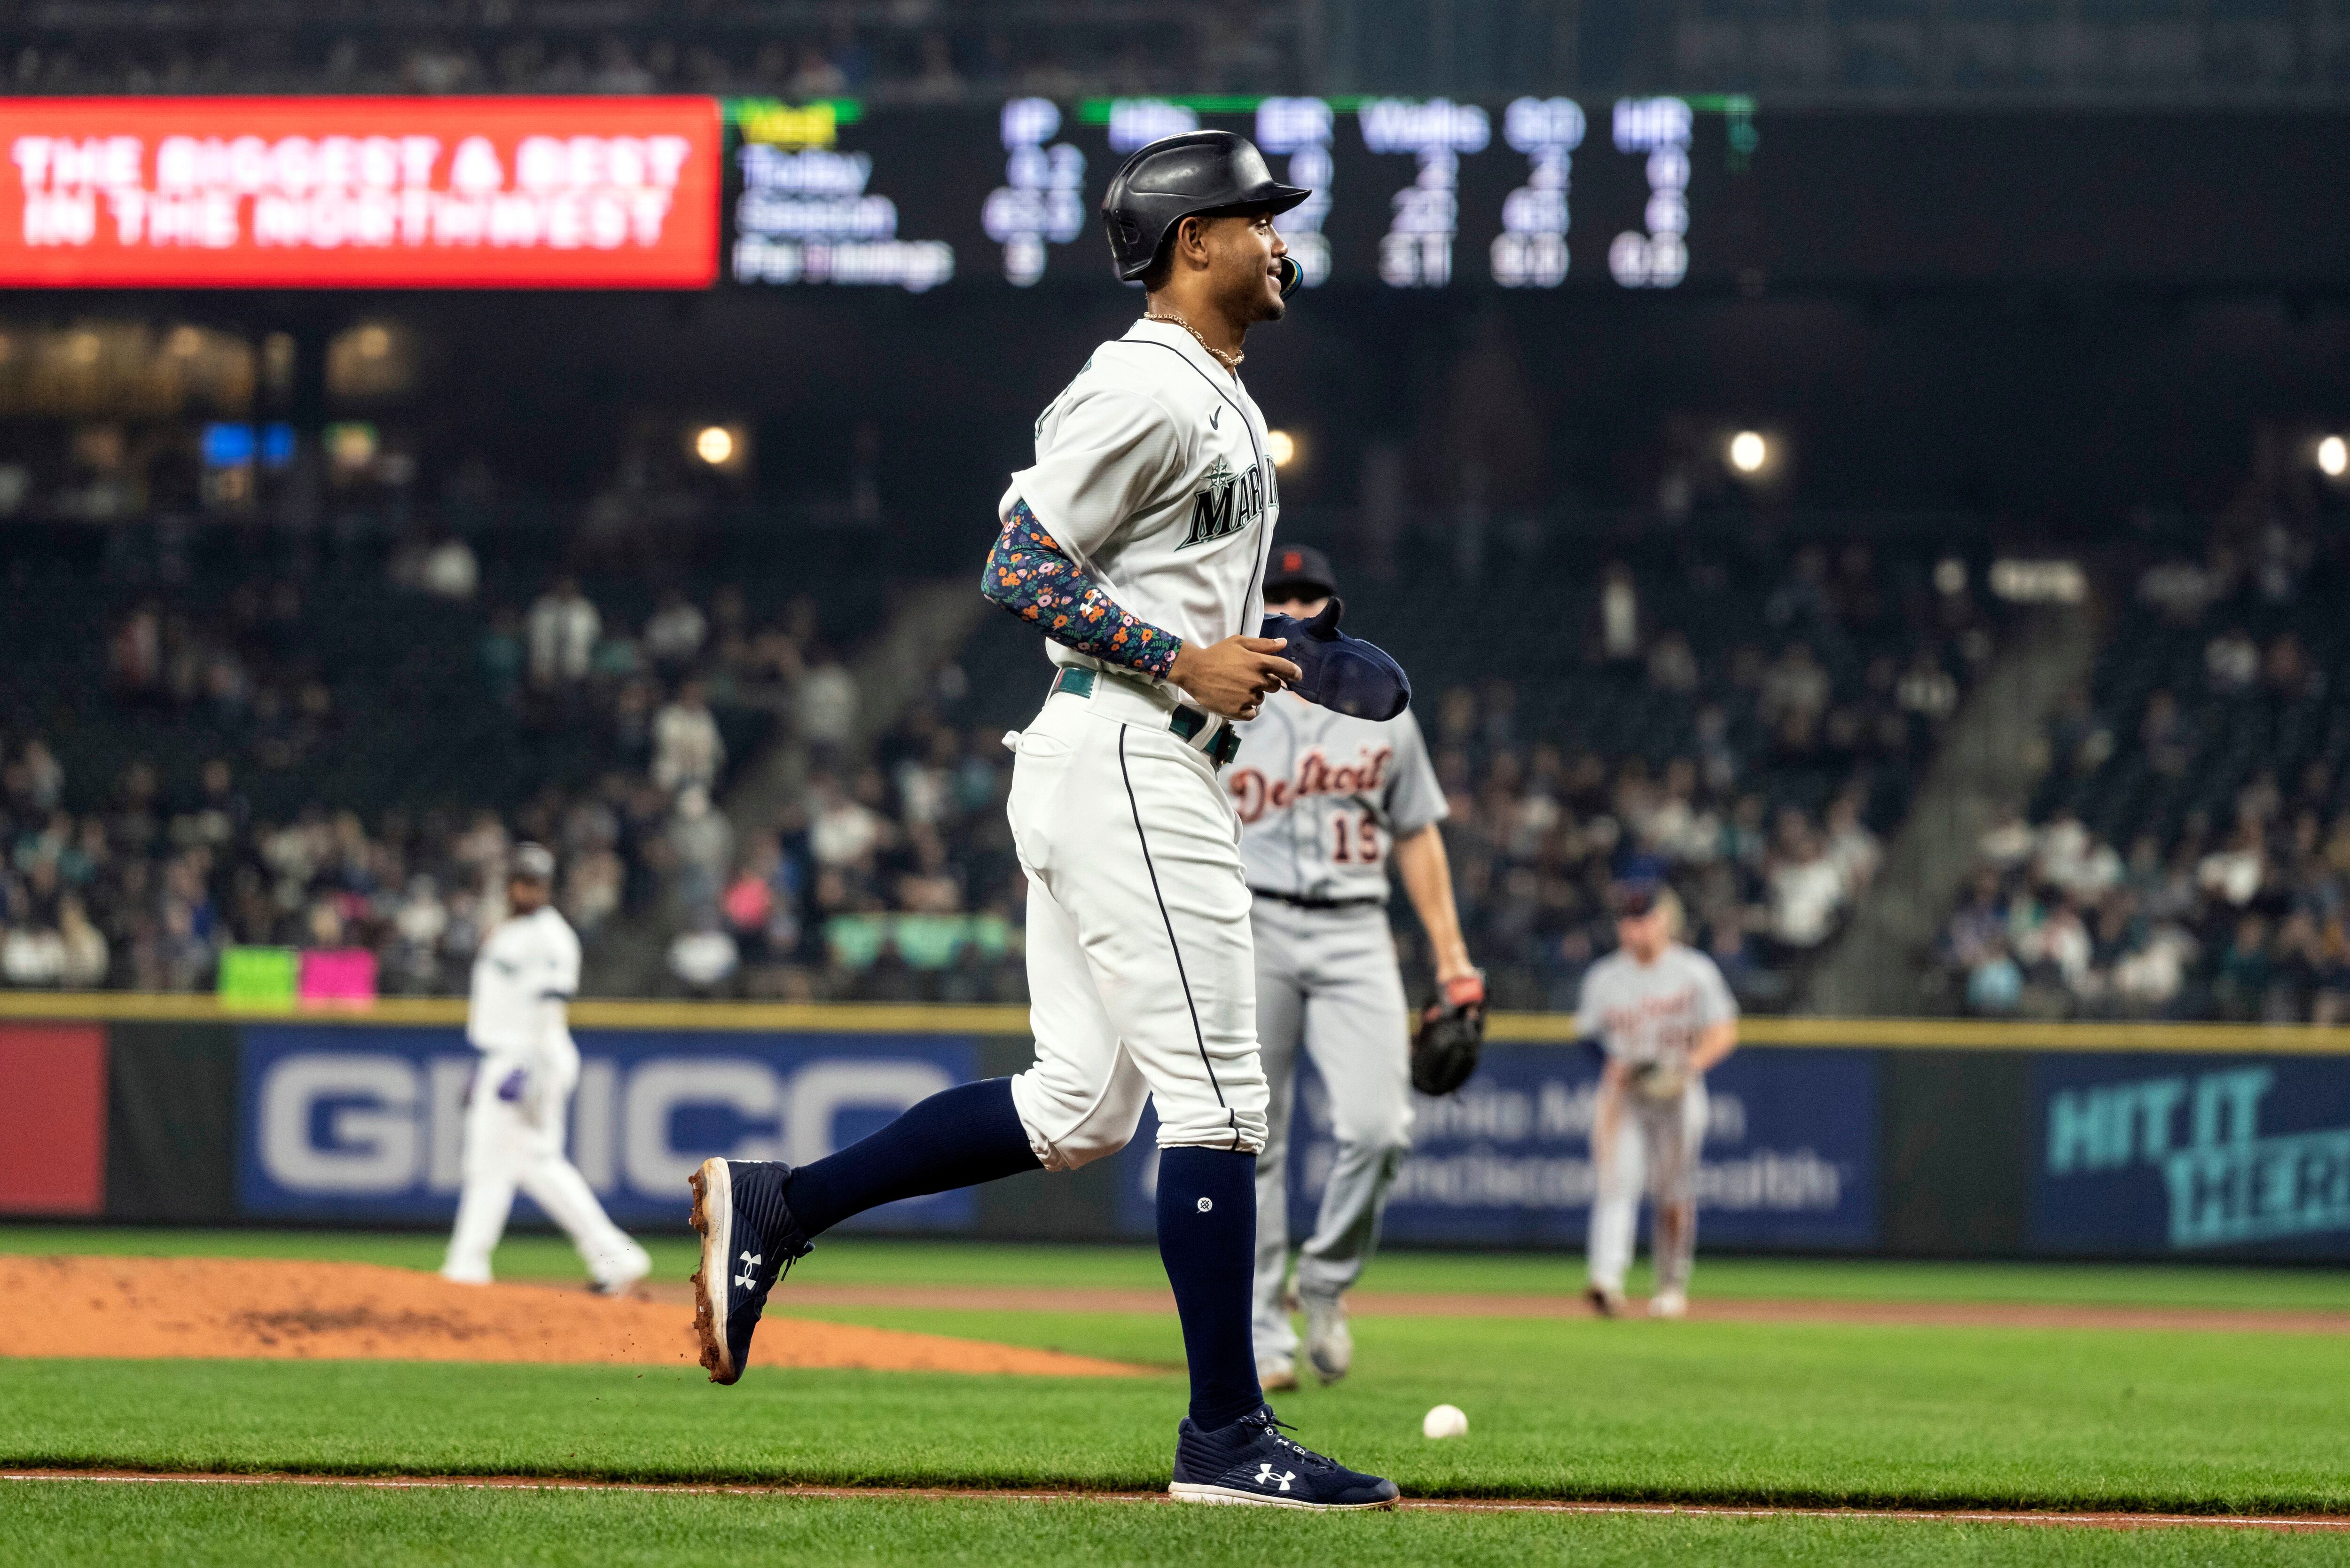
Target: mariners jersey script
x,y
1653,1011
522,977
1151,473
1322,796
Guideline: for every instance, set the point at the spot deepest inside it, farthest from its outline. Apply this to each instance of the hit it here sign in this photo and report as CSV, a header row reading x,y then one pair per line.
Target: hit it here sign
x,y
591,193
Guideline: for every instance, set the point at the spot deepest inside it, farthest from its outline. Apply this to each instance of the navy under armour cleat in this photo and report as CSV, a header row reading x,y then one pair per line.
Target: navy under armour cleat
x,y
749,1240
1251,1463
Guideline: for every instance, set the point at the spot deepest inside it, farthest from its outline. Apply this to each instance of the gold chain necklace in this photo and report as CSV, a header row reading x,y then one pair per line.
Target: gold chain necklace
x,y
1231,362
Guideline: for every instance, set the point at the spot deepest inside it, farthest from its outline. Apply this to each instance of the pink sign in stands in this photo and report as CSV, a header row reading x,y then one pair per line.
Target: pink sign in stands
x,y
338,976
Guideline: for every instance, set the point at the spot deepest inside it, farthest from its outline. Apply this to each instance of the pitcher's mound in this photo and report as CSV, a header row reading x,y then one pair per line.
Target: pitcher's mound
x,y
255,1307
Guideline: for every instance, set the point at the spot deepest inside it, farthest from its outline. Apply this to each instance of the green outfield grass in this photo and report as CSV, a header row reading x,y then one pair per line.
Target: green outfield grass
x,y
1695,1412
852,1260
95,1523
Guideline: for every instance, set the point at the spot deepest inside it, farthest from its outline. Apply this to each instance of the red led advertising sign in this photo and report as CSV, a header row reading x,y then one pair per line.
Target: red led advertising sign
x,y
341,193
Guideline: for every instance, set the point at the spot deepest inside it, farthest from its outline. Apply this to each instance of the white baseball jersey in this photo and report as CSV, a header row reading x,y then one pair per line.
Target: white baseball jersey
x,y
526,971
1151,474
1653,1011
1322,796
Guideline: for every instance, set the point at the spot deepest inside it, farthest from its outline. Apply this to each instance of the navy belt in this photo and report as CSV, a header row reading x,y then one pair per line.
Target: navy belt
x,y
1186,722
1302,901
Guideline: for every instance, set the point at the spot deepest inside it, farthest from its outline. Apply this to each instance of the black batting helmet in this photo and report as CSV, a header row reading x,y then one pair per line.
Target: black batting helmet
x,y
1201,173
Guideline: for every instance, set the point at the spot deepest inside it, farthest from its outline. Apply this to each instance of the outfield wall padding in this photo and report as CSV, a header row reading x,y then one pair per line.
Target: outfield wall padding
x,y
171,1123
1894,1137
1955,1152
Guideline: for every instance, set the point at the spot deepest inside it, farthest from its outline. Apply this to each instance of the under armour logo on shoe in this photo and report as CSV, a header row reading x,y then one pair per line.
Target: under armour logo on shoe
x,y
750,1262
1265,1478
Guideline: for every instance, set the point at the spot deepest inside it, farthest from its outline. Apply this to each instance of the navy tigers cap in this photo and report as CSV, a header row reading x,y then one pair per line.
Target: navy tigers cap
x,y
1635,895
1299,571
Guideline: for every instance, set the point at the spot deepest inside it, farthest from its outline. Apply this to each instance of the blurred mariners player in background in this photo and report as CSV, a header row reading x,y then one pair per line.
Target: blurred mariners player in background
x,y
1325,802
523,980
1663,1015
1136,545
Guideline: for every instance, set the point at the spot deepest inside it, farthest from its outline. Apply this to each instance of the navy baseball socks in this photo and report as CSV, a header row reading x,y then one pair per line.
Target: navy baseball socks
x,y
759,1217
1207,1238
1229,1448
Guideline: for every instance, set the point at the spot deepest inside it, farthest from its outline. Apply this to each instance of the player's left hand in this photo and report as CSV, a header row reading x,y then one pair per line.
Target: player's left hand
x,y
513,1085
1452,1032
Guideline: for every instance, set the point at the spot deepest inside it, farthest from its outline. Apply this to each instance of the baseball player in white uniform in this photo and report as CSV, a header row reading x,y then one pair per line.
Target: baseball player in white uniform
x,y
523,978
1664,1016
1136,544
1326,801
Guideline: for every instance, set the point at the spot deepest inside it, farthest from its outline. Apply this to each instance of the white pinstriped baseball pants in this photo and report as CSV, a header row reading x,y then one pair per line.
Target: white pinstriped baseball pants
x,y
1141,982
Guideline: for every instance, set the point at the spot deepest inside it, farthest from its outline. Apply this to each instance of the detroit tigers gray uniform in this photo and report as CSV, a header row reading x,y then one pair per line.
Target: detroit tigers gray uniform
x,y
1321,798
1645,1013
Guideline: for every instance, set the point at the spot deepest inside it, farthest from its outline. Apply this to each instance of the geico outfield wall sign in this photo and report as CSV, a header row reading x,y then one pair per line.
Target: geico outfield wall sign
x,y
2193,1155
336,192
368,1124
1790,1156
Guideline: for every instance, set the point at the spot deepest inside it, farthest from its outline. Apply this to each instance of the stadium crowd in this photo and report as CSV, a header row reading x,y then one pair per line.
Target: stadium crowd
x,y
925,53
361,744
2189,854
1756,770
363,792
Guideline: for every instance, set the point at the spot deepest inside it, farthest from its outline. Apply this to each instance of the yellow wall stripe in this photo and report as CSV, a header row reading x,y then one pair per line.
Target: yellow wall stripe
x,y
879,1018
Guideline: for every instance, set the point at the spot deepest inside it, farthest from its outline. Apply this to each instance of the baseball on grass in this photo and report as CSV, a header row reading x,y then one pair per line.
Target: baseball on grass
x,y
1445,1421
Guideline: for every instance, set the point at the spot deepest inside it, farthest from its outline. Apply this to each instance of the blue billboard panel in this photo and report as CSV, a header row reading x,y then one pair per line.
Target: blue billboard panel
x,y
368,1124
2191,1155
1790,1157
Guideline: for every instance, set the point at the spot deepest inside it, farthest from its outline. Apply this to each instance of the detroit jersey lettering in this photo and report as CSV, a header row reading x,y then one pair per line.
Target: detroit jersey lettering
x,y
1653,1013
1321,796
1151,473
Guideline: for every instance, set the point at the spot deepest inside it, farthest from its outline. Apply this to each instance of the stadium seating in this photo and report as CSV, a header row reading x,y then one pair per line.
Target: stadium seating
x,y
1753,743
221,736
2188,854
960,50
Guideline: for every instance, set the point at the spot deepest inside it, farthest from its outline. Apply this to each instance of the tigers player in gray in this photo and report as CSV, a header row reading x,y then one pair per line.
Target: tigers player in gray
x,y
1325,802
1663,1014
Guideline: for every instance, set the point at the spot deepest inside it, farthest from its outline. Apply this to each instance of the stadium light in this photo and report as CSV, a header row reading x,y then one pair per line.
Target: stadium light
x,y
1282,446
714,444
2333,457
1749,451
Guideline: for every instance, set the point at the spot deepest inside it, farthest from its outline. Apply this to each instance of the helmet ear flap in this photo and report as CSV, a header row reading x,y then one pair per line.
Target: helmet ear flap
x,y
1292,275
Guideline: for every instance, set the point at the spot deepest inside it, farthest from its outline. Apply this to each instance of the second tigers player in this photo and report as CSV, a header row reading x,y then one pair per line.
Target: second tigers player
x,y
1325,803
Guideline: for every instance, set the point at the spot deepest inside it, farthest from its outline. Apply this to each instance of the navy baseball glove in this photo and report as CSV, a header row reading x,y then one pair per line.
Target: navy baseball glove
x,y
1342,674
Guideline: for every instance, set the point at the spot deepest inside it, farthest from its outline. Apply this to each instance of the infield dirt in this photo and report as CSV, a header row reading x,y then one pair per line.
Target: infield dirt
x,y
210,1308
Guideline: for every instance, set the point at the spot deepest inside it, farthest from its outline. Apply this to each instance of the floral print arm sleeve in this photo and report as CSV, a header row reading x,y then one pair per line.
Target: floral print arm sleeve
x,y
1029,574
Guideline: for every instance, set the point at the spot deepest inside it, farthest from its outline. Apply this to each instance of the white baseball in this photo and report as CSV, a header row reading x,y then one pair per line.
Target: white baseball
x,y
1445,1421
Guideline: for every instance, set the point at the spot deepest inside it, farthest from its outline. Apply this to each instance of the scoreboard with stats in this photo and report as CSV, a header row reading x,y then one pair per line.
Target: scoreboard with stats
x,y
1409,193
1634,197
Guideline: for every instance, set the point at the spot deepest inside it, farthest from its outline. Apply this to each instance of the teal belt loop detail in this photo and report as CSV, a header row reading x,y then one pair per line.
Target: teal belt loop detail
x,y
1075,680
1187,721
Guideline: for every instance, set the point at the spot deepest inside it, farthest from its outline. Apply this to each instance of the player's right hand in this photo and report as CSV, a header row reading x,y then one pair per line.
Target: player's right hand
x,y
1230,678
